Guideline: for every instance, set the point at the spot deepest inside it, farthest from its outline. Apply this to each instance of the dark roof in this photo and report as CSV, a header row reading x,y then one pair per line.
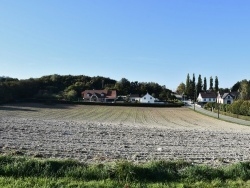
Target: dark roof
x,y
225,95
233,94
134,95
208,94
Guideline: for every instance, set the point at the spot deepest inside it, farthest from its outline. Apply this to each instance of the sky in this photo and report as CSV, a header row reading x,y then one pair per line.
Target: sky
x,y
142,40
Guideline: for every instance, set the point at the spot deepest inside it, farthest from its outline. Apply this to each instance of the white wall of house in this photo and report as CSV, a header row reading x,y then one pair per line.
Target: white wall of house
x,y
200,99
227,100
134,99
147,99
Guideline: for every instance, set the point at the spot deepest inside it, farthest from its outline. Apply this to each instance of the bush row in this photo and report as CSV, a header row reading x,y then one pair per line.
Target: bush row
x,y
239,107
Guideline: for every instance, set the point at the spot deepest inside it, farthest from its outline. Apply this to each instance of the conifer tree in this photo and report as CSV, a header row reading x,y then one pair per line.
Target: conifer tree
x,y
216,84
193,86
187,85
199,85
205,84
211,83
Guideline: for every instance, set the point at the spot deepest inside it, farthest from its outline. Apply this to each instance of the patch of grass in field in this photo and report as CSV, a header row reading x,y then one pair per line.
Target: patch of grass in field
x,y
31,182
30,172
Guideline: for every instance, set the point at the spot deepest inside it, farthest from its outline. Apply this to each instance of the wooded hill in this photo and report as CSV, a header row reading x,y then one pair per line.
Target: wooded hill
x,y
68,87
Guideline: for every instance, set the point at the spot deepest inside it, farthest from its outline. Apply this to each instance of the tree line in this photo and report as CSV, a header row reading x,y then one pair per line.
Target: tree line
x,y
192,88
68,87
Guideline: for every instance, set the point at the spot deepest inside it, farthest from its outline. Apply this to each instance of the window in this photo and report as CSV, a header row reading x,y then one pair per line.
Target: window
x,y
144,97
150,97
209,99
204,99
228,97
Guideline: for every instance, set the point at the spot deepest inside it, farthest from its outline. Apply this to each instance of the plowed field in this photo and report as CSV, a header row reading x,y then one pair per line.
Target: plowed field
x,y
105,133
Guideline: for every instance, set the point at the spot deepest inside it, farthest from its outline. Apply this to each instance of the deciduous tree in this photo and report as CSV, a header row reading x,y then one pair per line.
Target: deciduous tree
x,y
244,90
181,89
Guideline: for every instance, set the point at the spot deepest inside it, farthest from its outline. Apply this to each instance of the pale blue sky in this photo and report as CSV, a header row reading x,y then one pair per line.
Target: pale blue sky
x,y
141,40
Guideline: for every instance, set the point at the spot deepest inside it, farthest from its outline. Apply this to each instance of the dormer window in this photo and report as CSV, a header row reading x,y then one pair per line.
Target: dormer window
x,y
102,94
88,94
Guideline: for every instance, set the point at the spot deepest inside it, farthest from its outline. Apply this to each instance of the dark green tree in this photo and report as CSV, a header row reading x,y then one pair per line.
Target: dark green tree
x,y
123,86
205,84
187,89
216,84
193,91
236,87
211,84
199,85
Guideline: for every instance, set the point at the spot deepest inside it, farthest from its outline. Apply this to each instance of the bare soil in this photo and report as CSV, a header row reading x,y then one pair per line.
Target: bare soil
x,y
104,133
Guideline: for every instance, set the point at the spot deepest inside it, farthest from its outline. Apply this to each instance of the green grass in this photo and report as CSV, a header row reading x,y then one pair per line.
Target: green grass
x,y
247,118
31,182
31,172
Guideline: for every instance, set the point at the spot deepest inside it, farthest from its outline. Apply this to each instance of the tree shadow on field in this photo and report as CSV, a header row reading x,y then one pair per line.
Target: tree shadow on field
x,y
33,106
8,108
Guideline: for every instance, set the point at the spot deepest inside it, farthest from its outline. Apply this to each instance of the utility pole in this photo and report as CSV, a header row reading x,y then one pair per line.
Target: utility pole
x,y
218,110
218,102
195,90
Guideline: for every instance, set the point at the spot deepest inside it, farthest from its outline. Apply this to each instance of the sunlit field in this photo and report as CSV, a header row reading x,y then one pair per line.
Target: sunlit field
x,y
104,133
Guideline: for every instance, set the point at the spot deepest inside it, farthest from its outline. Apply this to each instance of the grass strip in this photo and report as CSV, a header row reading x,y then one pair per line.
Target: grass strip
x,y
122,172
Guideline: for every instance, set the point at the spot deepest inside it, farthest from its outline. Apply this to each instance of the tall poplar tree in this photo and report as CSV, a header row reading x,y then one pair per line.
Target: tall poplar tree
x,y
205,84
187,85
193,86
211,83
216,84
199,85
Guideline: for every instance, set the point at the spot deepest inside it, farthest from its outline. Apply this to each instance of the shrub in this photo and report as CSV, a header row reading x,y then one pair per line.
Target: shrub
x,y
244,108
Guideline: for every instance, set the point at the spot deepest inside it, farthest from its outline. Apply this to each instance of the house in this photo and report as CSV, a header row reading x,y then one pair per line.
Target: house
x,y
147,99
99,95
227,98
205,97
134,98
